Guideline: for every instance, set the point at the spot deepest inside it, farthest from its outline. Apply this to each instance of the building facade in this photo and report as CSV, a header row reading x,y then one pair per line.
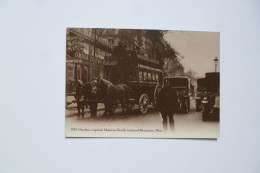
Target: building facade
x,y
132,57
119,55
85,54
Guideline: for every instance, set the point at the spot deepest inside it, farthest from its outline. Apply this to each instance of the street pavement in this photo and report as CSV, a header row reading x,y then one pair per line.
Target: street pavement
x,y
188,125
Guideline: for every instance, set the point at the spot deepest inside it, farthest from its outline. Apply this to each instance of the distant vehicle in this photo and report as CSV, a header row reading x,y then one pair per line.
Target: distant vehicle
x,y
200,93
211,100
181,85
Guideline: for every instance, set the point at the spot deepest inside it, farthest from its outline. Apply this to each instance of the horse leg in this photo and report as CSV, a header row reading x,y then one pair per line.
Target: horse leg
x,y
78,107
82,107
127,104
95,105
93,109
106,107
122,105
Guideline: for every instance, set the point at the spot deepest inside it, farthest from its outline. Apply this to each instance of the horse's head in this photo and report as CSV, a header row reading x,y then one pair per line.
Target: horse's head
x,y
94,87
90,90
77,86
103,85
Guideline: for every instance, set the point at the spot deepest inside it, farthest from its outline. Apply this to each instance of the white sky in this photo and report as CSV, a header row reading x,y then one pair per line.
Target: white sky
x,y
198,49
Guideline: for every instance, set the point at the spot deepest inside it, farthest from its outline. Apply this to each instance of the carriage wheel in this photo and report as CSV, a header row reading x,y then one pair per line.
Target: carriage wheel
x,y
143,103
155,94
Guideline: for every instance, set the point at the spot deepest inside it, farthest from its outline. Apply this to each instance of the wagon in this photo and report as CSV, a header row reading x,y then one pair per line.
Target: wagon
x,y
181,85
141,75
211,100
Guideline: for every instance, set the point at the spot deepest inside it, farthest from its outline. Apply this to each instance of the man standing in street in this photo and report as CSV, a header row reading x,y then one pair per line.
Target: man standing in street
x,y
166,104
91,97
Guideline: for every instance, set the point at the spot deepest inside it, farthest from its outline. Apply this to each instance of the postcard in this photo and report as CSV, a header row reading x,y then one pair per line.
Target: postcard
x,y
140,83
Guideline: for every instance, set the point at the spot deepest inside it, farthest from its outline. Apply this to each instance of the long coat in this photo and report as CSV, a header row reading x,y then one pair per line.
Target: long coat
x,y
167,101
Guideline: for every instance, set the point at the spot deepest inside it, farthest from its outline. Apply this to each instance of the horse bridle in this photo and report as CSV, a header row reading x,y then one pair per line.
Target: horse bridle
x,y
94,87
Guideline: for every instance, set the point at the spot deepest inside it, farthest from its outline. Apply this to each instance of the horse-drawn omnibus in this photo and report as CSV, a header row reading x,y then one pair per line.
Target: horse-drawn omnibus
x,y
141,75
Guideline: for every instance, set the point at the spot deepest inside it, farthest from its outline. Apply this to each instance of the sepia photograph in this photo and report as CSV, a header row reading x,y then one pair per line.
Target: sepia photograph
x,y
139,83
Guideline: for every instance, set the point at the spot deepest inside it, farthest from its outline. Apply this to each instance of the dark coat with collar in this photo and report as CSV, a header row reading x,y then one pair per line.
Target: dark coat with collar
x,y
167,101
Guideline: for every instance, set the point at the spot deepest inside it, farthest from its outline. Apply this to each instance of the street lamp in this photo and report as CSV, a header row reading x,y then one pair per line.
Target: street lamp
x,y
216,63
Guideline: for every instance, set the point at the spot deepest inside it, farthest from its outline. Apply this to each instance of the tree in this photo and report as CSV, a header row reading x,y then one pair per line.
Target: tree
x,y
160,48
124,65
192,75
171,62
155,36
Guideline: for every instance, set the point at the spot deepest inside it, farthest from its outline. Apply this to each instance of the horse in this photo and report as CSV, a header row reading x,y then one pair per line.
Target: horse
x,y
166,104
110,93
86,95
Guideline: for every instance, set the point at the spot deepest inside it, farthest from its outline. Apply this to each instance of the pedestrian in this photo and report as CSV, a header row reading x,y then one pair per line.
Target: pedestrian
x,y
166,105
157,90
79,97
91,97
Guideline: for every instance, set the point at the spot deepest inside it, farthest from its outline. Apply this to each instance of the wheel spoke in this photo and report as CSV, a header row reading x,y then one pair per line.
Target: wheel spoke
x,y
143,103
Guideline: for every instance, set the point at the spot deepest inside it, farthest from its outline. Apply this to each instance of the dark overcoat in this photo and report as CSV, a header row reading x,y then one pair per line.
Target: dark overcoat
x,y
167,101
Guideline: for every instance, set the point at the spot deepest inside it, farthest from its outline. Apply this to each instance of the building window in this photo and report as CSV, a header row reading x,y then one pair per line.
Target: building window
x,y
156,77
141,76
149,77
79,72
102,54
70,72
145,76
91,50
96,53
153,77
85,77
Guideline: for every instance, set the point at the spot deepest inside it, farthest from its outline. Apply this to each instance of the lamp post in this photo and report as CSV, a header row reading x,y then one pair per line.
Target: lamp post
x,y
216,63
